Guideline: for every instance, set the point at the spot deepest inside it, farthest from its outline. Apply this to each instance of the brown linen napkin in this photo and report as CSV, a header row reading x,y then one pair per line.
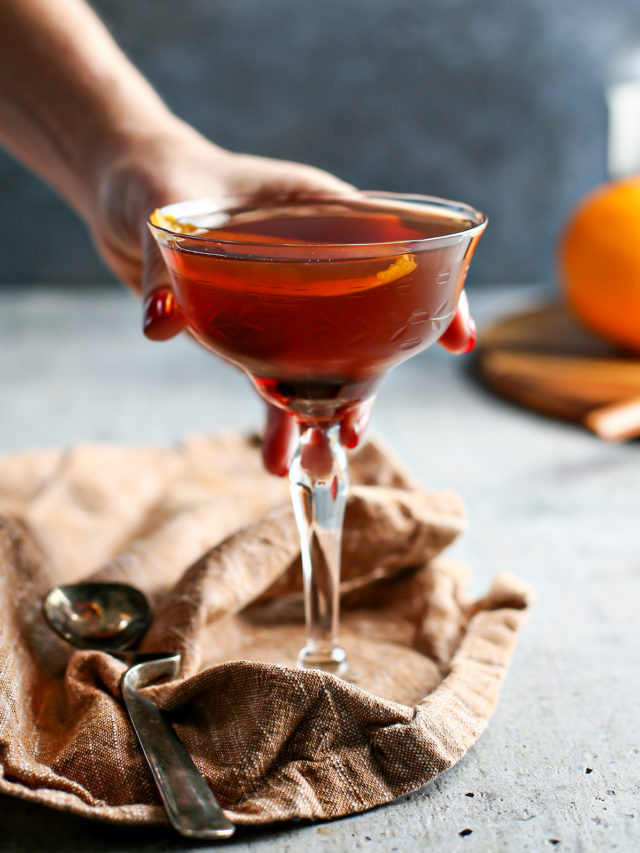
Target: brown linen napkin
x,y
211,540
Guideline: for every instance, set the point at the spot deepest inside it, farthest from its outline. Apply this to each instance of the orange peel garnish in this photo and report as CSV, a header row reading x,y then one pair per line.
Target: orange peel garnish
x,y
402,266
170,223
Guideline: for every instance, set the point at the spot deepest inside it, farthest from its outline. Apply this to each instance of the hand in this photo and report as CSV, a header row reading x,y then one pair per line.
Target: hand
x,y
173,164
177,164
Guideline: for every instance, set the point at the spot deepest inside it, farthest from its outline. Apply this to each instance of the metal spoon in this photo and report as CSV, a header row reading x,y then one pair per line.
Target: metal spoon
x,y
111,617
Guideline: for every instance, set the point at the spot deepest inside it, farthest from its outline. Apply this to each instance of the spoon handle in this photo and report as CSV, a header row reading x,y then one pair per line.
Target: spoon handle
x,y
192,808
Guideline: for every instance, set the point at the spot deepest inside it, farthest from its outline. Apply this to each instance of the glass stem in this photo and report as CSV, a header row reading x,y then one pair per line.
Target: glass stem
x,y
318,481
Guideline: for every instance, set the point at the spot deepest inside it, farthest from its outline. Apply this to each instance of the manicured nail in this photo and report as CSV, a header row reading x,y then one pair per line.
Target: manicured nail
x,y
358,430
278,470
354,425
473,335
162,317
350,437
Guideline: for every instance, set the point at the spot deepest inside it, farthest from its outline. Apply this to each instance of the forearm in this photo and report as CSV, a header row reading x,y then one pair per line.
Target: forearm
x,y
69,98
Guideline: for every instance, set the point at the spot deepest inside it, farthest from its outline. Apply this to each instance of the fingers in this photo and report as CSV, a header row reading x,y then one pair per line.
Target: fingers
x,y
279,441
281,438
309,181
264,179
461,335
354,424
162,318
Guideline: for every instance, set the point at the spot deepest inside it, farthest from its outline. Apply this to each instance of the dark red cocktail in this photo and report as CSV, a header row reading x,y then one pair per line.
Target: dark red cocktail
x,y
317,299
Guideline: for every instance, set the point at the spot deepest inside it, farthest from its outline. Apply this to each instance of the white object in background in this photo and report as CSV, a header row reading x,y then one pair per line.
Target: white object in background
x,y
623,99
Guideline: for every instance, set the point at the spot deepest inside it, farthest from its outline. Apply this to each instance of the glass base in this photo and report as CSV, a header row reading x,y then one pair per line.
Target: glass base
x,y
334,660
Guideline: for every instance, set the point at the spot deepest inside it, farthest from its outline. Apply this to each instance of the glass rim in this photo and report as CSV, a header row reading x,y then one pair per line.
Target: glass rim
x,y
221,203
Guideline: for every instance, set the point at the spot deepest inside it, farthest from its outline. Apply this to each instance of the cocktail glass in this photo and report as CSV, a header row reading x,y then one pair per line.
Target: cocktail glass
x,y
317,299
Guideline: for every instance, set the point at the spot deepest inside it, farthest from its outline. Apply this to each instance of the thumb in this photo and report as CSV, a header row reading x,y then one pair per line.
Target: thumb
x,y
162,319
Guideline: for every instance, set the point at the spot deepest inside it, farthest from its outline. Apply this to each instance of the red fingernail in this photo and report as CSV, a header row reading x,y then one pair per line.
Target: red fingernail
x,y
279,470
162,317
360,428
473,335
351,437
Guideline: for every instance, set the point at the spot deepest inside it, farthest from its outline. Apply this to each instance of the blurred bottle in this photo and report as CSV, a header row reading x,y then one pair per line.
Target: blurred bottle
x,y
623,99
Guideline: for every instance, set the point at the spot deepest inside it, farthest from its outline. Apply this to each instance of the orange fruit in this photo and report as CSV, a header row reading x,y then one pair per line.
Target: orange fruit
x,y
599,261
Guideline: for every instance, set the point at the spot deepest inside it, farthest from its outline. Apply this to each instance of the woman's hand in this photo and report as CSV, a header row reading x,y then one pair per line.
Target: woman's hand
x,y
80,115
173,164
178,164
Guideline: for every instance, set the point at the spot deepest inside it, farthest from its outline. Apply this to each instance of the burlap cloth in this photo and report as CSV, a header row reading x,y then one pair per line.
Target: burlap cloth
x,y
211,539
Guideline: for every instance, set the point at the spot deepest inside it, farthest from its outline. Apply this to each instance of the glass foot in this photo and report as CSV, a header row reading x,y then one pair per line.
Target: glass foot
x,y
333,660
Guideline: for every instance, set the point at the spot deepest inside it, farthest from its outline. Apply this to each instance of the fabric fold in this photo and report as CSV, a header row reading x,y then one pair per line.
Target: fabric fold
x,y
211,540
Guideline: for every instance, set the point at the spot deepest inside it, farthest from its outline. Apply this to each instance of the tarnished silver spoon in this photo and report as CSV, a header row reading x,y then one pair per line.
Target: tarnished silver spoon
x,y
111,617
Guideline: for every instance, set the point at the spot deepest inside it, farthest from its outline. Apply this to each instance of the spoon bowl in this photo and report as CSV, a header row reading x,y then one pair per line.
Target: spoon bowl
x,y
106,616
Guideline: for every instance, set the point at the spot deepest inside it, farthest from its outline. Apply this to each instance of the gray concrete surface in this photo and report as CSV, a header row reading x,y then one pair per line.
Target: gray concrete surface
x,y
498,103
559,766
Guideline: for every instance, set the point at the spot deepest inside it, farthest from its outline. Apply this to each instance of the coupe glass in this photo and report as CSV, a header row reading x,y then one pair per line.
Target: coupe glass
x,y
316,299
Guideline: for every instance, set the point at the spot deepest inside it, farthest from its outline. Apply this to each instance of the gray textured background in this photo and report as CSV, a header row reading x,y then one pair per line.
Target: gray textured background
x,y
498,103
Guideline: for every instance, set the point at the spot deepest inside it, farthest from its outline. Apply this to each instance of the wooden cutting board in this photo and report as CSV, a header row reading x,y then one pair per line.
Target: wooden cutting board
x,y
543,360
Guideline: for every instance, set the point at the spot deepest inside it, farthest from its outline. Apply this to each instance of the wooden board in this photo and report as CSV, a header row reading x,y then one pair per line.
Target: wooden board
x,y
543,360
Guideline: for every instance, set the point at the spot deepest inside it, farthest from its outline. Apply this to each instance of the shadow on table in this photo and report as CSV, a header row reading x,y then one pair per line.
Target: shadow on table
x,y
25,827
